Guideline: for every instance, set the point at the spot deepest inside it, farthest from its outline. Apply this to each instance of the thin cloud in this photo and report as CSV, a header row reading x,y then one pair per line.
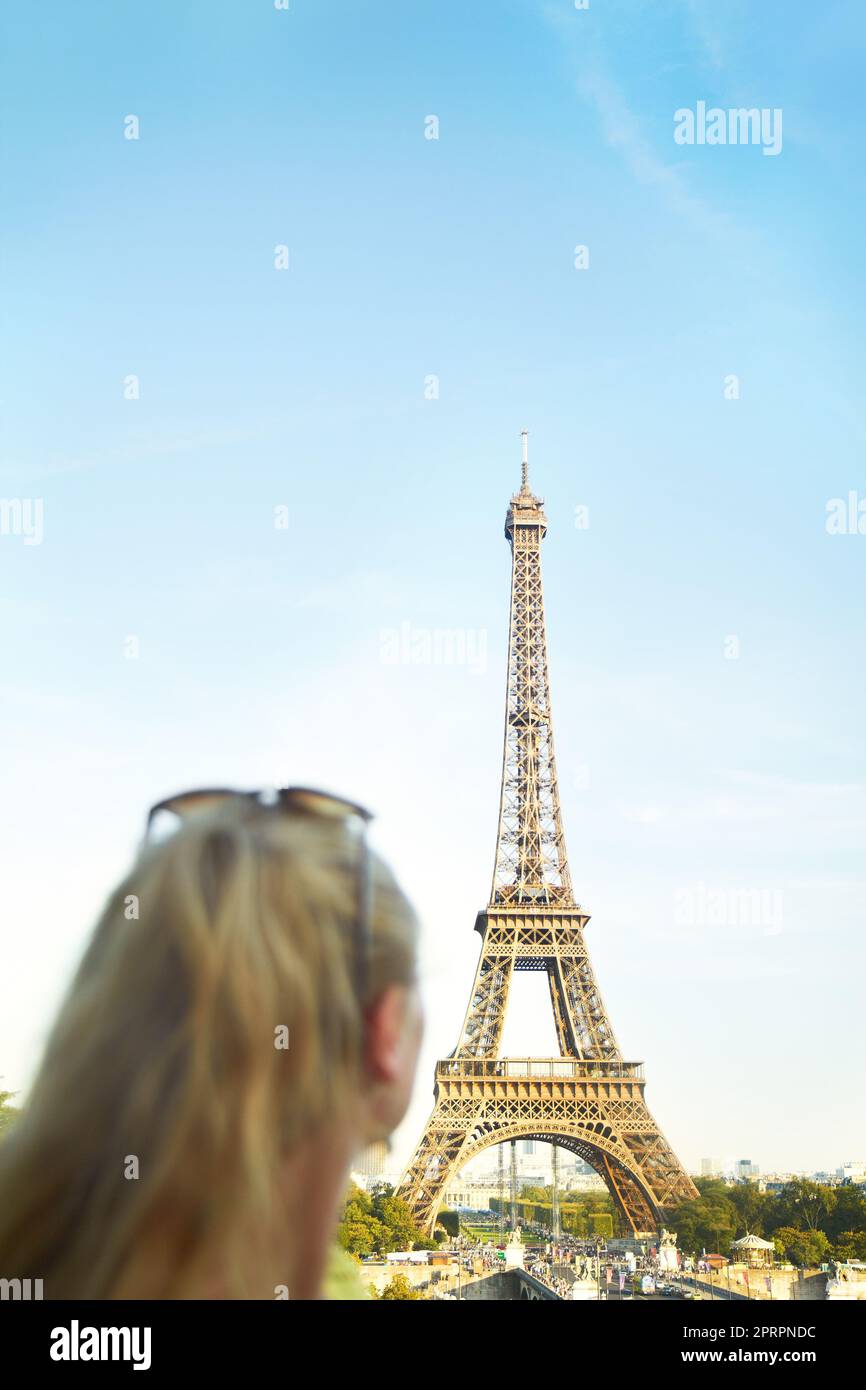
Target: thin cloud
x,y
623,130
698,17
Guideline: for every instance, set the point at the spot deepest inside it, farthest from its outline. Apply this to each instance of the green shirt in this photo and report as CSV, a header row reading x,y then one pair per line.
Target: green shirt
x,y
342,1278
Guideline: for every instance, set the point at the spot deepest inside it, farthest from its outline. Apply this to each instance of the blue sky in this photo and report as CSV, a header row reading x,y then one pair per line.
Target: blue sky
x,y
684,772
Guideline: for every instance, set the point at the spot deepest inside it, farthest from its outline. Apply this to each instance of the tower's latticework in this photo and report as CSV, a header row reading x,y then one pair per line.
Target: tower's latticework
x,y
588,1100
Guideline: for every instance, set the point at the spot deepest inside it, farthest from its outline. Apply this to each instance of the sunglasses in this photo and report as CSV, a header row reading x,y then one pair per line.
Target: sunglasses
x,y
301,801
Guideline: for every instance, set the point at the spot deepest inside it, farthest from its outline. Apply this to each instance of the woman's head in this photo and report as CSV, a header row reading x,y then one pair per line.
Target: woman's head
x,y
222,1023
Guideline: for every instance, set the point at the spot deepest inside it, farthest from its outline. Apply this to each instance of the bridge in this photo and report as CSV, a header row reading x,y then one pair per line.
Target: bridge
x,y
509,1286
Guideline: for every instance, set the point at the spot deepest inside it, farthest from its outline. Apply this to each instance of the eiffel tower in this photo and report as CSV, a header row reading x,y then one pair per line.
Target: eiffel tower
x,y
588,1099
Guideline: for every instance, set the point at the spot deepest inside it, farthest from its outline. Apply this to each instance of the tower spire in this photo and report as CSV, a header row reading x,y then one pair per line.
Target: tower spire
x,y
531,864
524,472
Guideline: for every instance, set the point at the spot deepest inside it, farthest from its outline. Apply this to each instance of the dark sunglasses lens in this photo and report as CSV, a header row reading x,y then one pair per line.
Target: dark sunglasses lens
x,y
303,800
322,804
185,804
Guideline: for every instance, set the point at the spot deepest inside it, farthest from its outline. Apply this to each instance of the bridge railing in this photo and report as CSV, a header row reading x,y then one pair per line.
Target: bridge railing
x,y
512,1068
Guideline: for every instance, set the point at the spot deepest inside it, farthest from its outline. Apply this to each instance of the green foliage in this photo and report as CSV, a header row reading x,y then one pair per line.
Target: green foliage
x,y
450,1222
750,1206
581,1214
708,1222
801,1247
399,1287
601,1223
850,1245
848,1213
396,1220
806,1220
360,1232
374,1223
805,1204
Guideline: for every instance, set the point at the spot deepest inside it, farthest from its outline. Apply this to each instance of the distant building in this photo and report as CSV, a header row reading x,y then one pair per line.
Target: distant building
x,y
744,1169
473,1194
776,1182
709,1167
372,1161
852,1172
585,1182
585,1170
539,1179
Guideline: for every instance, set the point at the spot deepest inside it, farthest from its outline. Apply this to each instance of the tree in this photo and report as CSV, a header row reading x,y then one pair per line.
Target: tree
x,y
801,1247
848,1213
707,1222
401,1233
751,1206
399,1287
805,1204
713,1187
805,1219
373,1224
850,1245
360,1232
450,1222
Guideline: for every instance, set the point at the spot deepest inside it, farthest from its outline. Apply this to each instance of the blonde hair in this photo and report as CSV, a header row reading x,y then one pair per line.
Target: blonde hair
x,y
169,1051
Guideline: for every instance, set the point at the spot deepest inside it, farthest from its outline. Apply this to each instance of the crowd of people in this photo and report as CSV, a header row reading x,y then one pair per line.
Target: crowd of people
x,y
545,1273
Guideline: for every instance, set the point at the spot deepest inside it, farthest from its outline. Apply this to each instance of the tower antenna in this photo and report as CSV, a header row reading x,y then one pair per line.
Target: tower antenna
x,y
524,480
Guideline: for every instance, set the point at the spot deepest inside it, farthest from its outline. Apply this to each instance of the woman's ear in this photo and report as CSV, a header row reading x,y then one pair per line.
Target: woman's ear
x,y
394,1026
386,1029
